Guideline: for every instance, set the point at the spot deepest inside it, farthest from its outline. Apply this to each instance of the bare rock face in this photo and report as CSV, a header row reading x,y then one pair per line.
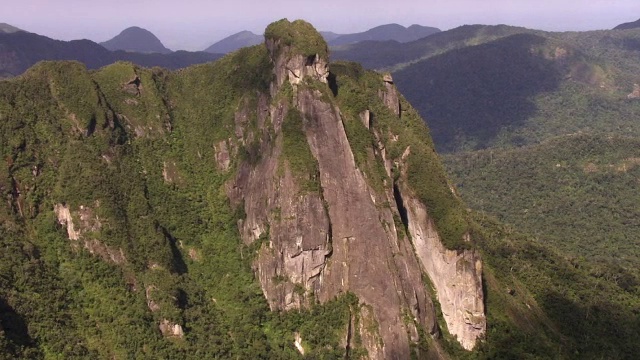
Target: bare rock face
x,y
333,241
365,117
298,343
293,67
368,259
88,223
169,329
318,244
64,218
456,276
223,159
390,95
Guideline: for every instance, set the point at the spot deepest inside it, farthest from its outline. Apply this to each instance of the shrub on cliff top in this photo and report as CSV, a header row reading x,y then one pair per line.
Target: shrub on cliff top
x,y
300,35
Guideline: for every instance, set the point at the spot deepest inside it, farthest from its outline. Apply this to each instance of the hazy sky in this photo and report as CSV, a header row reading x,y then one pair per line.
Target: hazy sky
x,y
196,24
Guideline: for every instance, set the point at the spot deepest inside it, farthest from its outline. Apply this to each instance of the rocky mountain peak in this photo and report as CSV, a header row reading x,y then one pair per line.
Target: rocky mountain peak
x,y
297,50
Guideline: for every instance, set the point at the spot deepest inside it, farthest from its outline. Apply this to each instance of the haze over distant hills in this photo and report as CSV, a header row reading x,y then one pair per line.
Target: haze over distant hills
x,y
386,32
136,39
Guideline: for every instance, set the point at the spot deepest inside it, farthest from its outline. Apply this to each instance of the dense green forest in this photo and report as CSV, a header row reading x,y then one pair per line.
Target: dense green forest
x,y
577,192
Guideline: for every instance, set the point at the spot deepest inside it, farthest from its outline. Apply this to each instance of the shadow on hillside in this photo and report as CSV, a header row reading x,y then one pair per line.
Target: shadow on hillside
x,y
600,329
467,96
14,326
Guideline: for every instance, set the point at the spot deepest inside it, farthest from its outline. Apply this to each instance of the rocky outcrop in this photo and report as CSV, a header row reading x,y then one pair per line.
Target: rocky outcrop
x,y
298,343
317,244
336,240
390,95
80,232
169,329
293,67
635,94
456,275
223,159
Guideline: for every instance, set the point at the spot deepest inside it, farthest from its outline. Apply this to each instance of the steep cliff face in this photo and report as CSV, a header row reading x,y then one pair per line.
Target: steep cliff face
x,y
341,235
456,276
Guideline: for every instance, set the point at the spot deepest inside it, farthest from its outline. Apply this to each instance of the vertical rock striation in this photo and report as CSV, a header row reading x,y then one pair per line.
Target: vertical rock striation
x,y
456,276
342,237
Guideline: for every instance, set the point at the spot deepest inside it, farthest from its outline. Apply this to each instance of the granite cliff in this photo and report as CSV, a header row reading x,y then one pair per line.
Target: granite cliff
x,y
342,236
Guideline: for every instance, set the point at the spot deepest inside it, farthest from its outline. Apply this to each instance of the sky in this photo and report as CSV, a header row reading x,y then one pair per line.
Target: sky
x,y
196,24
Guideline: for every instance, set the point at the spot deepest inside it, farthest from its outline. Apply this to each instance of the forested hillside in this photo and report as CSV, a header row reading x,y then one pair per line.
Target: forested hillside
x,y
265,206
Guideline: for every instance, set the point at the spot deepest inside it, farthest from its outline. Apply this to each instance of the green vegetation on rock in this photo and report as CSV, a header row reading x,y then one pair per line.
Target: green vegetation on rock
x,y
165,244
297,153
301,36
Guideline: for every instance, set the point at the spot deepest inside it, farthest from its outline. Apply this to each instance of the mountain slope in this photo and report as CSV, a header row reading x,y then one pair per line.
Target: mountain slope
x,y
629,25
136,39
6,28
537,188
480,96
235,42
21,50
391,55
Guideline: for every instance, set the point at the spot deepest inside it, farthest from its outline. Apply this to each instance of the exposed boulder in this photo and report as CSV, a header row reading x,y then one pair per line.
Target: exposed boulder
x,y
169,329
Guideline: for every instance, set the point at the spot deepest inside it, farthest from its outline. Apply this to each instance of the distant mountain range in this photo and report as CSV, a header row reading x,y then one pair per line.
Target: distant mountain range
x,y
629,25
21,50
389,32
135,39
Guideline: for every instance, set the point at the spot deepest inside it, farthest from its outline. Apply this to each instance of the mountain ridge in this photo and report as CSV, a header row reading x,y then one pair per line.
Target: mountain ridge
x,y
628,25
7,28
234,42
387,32
155,138
21,50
